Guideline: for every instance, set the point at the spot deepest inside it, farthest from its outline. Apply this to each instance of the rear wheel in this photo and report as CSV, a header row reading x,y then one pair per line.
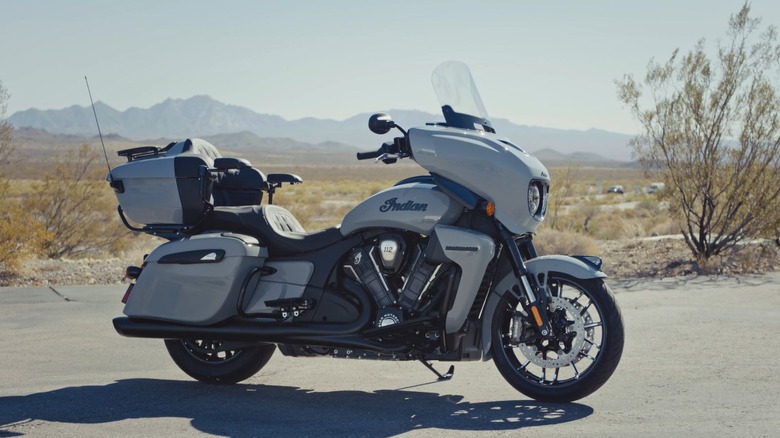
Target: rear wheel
x,y
216,361
581,355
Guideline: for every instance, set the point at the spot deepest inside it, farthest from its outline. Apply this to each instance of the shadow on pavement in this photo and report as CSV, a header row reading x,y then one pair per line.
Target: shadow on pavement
x,y
264,409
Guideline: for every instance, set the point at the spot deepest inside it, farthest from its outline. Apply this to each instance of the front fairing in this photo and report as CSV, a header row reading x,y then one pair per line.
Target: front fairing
x,y
489,165
465,149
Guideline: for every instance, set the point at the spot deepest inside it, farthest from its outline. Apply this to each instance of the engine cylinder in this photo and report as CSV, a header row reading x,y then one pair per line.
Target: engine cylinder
x,y
362,265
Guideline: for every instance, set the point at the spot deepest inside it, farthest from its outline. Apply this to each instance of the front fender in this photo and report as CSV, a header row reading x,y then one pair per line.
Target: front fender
x,y
576,267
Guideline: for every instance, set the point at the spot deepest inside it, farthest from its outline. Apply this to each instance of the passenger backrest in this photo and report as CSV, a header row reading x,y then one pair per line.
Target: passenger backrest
x,y
237,183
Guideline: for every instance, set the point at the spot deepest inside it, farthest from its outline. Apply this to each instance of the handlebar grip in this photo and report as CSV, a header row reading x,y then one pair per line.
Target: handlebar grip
x,y
368,155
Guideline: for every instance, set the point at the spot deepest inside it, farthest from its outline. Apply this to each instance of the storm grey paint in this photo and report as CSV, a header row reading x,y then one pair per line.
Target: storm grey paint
x,y
150,195
472,251
289,281
545,264
199,293
416,207
489,165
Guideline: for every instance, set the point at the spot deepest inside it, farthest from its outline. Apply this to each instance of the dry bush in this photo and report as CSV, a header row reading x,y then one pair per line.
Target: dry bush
x,y
609,222
560,191
77,209
711,132
6,129
20,236
550,241
321,204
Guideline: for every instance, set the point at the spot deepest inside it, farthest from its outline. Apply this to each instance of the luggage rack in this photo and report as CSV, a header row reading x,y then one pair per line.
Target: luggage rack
x,y
166,231
140,152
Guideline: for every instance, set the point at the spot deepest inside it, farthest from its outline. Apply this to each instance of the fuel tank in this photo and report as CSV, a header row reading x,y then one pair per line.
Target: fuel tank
x,y
416,207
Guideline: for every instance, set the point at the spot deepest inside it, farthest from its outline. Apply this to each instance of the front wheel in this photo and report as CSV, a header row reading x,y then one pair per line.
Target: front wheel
x,y
581,355
216,361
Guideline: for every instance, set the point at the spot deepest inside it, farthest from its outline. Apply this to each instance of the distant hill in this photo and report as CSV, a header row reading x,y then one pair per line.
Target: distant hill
x,y
37,144
202,116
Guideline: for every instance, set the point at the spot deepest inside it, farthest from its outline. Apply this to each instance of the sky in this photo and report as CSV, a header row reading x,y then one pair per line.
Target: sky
x,y
549,64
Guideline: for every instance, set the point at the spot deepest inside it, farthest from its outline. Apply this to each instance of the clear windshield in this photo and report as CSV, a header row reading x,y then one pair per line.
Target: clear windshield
x,y
460,102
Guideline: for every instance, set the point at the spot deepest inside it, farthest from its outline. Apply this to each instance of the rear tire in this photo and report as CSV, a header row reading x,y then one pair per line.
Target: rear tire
x,y
207,362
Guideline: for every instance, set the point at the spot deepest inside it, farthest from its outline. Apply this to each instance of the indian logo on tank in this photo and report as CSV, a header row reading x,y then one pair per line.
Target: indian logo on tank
x,y
394,205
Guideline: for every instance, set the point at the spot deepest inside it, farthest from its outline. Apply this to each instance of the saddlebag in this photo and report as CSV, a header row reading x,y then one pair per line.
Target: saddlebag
x,y
196,280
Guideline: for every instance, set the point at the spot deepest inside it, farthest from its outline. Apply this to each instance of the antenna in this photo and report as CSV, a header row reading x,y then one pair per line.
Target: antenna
x,y
105,154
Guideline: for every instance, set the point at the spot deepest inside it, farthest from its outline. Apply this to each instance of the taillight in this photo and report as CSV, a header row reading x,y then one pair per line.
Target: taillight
x,y
127,294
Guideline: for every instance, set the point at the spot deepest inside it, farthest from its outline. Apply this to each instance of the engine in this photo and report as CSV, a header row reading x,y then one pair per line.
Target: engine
x,y
395,271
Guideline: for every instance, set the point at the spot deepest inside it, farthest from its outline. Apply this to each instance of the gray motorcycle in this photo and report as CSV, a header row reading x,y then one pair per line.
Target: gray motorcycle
x,y
439,267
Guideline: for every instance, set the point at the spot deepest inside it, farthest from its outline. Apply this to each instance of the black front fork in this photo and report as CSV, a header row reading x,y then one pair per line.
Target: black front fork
x,y
537,297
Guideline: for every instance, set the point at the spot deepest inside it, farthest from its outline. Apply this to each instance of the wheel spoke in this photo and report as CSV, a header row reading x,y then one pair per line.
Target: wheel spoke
x,y
576,371
585,309
593,325
523,367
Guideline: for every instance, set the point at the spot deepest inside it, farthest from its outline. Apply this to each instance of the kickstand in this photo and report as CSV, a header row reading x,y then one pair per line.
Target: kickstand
x,y
442,377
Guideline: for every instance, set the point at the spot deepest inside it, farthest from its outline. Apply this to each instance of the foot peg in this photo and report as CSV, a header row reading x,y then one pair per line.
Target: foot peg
x,y
291,306
442,377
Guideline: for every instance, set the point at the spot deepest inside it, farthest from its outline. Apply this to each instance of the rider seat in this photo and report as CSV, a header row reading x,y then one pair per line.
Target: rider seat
x,y
275,226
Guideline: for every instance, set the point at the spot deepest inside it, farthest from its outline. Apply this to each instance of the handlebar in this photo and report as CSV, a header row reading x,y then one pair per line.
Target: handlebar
x,y
390,150
369,155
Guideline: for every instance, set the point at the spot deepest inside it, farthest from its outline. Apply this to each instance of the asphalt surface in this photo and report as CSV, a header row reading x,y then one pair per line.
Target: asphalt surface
x,y
701,359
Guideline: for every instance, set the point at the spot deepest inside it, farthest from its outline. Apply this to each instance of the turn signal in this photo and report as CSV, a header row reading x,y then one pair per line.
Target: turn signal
x,y
487,207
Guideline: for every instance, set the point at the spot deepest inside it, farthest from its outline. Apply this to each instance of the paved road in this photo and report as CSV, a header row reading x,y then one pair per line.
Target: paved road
x,y
701,359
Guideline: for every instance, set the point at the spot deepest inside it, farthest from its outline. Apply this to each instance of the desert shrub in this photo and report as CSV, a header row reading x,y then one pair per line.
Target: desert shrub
x,y
711,132
560,190
20,236
549,241
614,225
323,204
76,208
6,129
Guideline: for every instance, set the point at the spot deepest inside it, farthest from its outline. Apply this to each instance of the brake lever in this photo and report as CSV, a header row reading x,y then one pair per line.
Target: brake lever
x,y
386,156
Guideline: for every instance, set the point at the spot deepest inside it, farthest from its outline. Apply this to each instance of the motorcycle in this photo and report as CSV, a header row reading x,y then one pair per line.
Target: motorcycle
x,y
438,267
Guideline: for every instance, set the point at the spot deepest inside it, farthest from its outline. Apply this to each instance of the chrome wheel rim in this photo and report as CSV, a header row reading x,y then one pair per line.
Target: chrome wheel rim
x,y
575,348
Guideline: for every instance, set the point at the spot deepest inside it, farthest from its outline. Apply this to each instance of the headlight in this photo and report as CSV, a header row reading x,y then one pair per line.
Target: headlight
x,y
534,198
537,199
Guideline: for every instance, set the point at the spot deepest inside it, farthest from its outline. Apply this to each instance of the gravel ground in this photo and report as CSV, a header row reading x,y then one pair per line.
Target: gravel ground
x,y
623,259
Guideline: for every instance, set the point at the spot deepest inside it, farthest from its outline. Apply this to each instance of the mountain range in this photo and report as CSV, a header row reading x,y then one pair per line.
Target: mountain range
x,y
202,116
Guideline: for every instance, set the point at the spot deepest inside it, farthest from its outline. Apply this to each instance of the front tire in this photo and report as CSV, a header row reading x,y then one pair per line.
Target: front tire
x,y
212,362
584,352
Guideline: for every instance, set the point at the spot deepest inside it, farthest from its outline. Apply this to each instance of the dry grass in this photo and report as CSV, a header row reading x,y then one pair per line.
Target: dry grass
x,y
321,204
548,241
586,216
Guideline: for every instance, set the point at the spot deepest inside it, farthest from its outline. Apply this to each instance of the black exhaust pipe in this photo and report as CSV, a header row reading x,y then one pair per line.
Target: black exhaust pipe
x,y
253,331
